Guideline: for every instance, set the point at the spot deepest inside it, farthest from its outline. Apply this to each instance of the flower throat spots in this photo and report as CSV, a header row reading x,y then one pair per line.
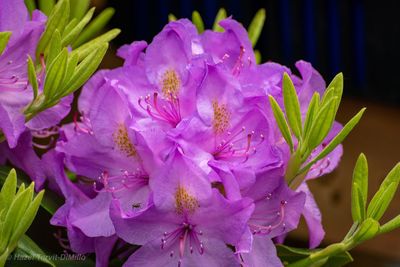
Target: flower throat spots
x,y
121,139
170,84
221,118
184,202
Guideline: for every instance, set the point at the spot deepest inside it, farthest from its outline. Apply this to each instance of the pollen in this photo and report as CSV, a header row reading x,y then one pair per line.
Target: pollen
x,y
184,202
121,139
170,84
221,118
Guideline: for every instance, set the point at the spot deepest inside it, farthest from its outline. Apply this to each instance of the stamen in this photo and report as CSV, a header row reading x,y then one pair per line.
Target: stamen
x,y
239,62
84,125
262,229
126,180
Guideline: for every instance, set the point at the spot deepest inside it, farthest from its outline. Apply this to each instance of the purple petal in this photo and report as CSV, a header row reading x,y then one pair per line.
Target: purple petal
x,y
262,254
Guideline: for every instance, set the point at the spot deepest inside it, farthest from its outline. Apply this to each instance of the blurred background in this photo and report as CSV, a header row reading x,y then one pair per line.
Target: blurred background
x,y
359,38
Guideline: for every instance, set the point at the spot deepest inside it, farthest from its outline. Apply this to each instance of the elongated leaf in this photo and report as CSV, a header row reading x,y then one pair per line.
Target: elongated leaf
x,y
95,27
4,37
322,124
281,121
311,113
85,69
32,77
368,229
256,26
393,176
381,200
220,16
84,50
79,8
55,75
30,5
198,21
54,47
73,34
258,56
46,6
359,192
29,249
9,188
390,225
58,19
292,106
336,140
70,26
28,218
337,84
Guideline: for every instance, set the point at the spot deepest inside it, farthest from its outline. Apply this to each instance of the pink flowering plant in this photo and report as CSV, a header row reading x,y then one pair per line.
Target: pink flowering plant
x,y
192,153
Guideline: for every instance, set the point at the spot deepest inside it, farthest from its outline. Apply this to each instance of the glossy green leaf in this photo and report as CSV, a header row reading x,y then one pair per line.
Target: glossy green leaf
x,y
58,19
79,8
256,26
28,248
337,85
322,124
390,225
86,49
8,190
30,5
221,14
54,47
359,191
85,69
171,17
95,27
292,106
367,230
337,140
4,37
311,113
258,56
73,34
28,217
381,200
198,21
32,77
55,75
393,176
281,121
46,6
70,26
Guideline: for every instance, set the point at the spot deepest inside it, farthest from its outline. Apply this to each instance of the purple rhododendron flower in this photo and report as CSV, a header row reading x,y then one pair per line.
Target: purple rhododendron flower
x,y
178,152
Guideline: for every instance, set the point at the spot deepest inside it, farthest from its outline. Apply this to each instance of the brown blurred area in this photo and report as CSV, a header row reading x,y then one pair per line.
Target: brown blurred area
x,y
377,136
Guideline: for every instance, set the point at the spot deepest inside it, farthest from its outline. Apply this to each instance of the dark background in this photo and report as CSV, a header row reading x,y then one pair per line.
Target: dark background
x,y
359,38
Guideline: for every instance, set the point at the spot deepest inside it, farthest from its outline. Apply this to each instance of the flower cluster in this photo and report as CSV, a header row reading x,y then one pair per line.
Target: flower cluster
x,y
178,152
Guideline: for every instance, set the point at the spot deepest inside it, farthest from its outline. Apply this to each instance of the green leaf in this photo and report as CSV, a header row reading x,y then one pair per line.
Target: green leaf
x,y
8,190
85,69
281,121
57,20
4,37
337,85
390,225
220,16
28,217
299,257
54,47
32,77
73,34
292,106
336,140
367,230
79,8
322,124
198,21
171,17
86,49
28,248
55,75
393,176
258,56
46,6
70,26
311,113
30,5
359,191
381,200
256,26
95,27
